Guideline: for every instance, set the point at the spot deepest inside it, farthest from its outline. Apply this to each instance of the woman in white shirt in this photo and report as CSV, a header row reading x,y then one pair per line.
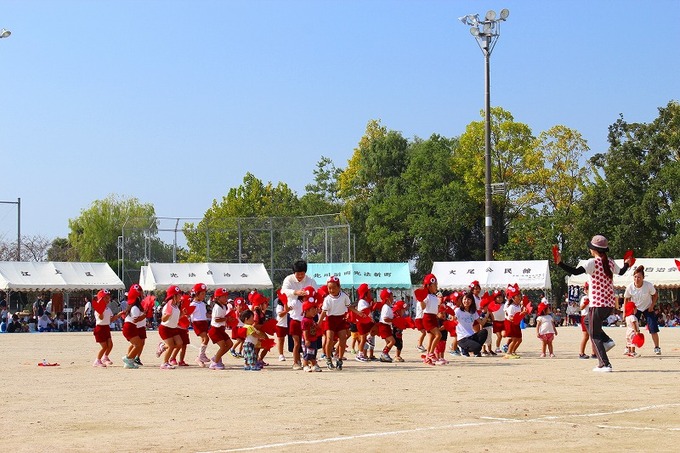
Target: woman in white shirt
x,y
644,295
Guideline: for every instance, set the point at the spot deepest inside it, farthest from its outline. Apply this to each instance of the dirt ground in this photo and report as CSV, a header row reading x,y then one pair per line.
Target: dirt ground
x,y
472,404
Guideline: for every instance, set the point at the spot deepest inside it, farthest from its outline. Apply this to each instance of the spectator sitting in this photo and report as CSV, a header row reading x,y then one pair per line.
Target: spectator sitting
x,y
45,322
60,323
77,322
557,317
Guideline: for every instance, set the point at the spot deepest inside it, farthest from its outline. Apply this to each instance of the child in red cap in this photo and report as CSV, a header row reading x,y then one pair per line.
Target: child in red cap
x,y
134,327
102,328
430,306
632,327
365,326
513,332
199,320
334,309
218,330
385,324
398,311
546,330
310,334
168,327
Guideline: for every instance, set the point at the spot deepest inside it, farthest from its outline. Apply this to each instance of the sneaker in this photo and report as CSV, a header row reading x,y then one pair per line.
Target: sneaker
x,y
323,356
204,358
234,354
99,363
657,351
421,348
338,365
360,358
173,362
167,366
216,366
161,348
385,358
456,353
138,362
593,356
505,348
307,368
317,369
552,355
583,356
329,364
440,362
398,359
499,351
297,367
428,361
609,345
129,363
603,369
492,353
354,351
182,363
255,368
106,361
373,359
282,358
200,362
246,368
543,354
511,356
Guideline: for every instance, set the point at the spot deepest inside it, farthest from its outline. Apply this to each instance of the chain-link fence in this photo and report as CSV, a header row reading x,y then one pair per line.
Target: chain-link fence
x,y
275,241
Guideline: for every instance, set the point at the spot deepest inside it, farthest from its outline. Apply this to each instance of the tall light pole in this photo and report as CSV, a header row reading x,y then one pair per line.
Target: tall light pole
x,y
486,32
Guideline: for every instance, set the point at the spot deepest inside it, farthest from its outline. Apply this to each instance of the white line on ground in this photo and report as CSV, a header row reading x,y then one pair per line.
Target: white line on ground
x,y
492,421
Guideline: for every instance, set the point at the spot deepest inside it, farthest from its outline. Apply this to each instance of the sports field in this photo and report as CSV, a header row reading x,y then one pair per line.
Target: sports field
x,y
472,404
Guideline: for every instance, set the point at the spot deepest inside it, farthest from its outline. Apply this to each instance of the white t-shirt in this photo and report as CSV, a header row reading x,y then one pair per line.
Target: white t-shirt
x,y
431,304
499,315
584,312
136,312
171,322
218,311
363,305
511,310
547,324
641,296
419,311
336,305
465,319
106,317
289,285
386,312
630,320
200,312
281,321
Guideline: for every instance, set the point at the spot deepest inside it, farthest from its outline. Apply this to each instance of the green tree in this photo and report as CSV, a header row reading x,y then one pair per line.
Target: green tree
x,y
321,196
514,162
633,200
94,234
60,250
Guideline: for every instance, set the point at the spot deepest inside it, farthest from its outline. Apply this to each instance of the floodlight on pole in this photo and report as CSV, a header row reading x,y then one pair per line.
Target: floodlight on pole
x,y
486,32
4,33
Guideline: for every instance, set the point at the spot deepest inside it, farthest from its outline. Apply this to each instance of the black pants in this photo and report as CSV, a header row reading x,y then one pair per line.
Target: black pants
x,y
474,342
596,315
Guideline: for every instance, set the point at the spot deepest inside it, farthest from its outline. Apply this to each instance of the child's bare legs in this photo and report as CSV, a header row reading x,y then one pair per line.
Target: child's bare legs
x,y
435,335
423,332
543,346
499,338
204,346
550,347
224,346
296,349
513,344
279,344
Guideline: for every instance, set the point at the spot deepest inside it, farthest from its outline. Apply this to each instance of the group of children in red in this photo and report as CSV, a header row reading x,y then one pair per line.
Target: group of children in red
x,y
322,318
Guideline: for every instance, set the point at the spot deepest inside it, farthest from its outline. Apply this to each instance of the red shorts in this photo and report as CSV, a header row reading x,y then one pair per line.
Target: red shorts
x,y
294,328
583,324
234,333
512,330
200,327
130,331
336,323
281,331
384,330
364,327
184,335
498,326
419,323
166,332
547,337
430,322
141,332
102,333
218,334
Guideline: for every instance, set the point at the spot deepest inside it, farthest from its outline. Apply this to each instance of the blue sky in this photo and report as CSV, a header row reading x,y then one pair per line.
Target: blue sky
x,y
173,102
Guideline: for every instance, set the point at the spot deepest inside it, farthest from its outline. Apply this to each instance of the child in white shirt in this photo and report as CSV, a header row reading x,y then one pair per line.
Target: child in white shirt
x,y
545,329
632,328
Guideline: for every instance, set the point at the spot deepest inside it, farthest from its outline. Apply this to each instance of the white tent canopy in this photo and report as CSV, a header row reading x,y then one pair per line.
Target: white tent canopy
x,y
492,274
232,276
662,272
57,276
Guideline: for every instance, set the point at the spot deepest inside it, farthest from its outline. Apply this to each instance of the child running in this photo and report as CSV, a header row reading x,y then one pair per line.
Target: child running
x,y
282,310
218,325
398,310
134,328
199,321
430,306
102,329
513,332
168,330
334,309
251,341
546,330
385,324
